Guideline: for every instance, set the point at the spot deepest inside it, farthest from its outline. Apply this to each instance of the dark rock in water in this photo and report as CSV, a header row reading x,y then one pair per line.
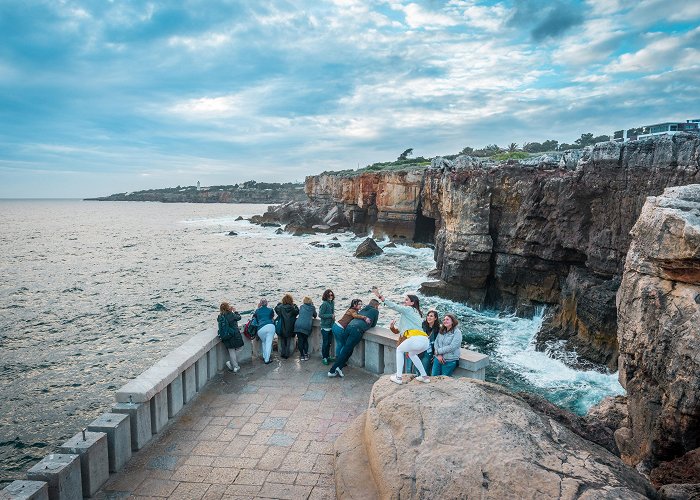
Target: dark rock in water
x,y
368,248
334,245
390,245
321,228
232,233
435,273
415,244
270,224
240,217
334,238
317,244
158,307
279,231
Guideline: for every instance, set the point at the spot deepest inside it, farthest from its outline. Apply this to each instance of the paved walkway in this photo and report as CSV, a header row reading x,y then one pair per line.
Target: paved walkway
x,y
267,431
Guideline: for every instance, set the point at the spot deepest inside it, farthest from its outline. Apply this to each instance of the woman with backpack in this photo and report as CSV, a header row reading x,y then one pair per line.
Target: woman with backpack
x,y
287,312
266,328
230,334
303,326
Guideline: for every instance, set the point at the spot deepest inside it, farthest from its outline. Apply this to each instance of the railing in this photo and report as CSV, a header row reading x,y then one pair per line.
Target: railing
x,y
145,405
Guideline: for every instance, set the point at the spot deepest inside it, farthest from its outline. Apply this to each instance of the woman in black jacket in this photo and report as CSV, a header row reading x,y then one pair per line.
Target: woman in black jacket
x,y
287,311
229,333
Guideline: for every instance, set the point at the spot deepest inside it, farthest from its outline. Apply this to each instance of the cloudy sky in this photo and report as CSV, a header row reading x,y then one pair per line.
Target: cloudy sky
x,y
101,96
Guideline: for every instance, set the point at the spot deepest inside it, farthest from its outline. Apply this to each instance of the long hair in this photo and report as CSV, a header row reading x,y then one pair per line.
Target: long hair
x,y
455,322
416,304
224,307
288,299
354,302
434,313
327,295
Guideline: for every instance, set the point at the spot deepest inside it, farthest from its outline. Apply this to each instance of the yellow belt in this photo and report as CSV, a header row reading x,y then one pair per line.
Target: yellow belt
x,y
414,333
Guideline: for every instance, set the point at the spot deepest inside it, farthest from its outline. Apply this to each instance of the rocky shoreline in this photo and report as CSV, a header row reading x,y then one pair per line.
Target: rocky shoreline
x,y
601,237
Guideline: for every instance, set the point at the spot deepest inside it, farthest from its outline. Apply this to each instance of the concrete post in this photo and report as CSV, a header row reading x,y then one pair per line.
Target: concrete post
x,y
374,357
62,473
189,383
91,447
139,422
175,396
159,411
118,430
315,339
212,362
221,356
389,359
358,355
201,371
26,490
245,353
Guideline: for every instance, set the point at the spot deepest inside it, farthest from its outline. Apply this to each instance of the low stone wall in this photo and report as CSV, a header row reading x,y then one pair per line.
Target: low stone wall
x,y
146,404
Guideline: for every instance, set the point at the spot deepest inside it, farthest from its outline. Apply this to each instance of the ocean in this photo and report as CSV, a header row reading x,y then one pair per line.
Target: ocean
x,y
92,293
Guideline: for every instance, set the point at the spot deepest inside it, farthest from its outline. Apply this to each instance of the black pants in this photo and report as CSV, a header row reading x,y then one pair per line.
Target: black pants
x,y
303,343
286,345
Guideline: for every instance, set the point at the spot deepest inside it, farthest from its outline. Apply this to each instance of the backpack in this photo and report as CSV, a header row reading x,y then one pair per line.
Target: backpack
x,y
250,329
225,331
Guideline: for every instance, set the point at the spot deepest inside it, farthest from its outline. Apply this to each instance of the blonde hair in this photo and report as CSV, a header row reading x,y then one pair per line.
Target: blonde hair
x,y
307,300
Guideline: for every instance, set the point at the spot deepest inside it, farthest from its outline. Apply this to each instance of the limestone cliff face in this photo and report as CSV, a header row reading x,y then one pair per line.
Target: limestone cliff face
x,y
514,236
386,202
659,330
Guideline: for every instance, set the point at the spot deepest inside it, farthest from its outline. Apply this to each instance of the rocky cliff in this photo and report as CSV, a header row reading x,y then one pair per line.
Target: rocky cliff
x,y
659,332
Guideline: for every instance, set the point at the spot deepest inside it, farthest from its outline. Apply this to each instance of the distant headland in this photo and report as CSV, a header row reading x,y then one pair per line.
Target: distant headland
x,y
247,192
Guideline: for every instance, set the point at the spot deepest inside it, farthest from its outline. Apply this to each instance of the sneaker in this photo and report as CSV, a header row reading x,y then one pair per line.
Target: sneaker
x,y
331,359
339,372
237,369
228,365
396,380
325,361
332,374
268,361
421,378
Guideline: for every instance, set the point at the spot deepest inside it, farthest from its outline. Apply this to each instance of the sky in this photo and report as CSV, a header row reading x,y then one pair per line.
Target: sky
x,y
99,96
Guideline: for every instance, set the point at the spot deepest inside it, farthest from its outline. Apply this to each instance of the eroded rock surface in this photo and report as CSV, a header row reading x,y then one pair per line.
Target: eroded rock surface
x,y
659,330
459,438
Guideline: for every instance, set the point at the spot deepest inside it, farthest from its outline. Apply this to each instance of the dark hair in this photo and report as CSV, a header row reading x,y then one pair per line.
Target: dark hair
x,y
288,299
374,302
437,316
327,295
354,302
455,322
416,303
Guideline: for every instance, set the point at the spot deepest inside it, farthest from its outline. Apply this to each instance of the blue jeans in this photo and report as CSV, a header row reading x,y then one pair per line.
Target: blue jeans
x,y
326,343
340,337
427,359
444,369
353,337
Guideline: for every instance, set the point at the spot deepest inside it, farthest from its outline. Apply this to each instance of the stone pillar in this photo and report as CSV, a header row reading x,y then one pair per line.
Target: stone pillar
x,y
139,422
245,353
212,362
389,359
358,355
315,338
221,356
62,473
374,357
118,430
26,490
175,396
189,383
201,371
159,411
91,447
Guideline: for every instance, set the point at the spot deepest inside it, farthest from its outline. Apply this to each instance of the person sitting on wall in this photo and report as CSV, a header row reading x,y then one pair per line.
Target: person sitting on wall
x,y
230,334
447,347
354,332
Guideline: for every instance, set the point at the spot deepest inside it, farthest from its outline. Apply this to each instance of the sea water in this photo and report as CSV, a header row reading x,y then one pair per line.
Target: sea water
x,y
93,293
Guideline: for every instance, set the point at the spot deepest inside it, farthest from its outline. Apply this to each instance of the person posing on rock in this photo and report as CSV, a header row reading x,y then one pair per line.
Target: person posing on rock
x,y
266,328
447,347
415,340
354,332
230,334
287,311
431,326
339,326
302,327
327,315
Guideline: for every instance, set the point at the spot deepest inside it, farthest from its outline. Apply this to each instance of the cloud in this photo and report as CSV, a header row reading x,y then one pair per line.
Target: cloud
x,y
546,19
661,52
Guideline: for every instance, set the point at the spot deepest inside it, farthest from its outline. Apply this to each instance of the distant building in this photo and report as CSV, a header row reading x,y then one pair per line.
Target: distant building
x,y
669,128
198,187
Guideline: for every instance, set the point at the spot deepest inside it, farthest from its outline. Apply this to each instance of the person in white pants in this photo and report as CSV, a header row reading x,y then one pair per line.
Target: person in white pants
x,y
410,327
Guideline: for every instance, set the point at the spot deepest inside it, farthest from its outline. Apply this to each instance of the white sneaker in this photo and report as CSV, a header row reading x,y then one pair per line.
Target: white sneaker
x,y
339,372
237,369
396,380
228,365
332,374
421,378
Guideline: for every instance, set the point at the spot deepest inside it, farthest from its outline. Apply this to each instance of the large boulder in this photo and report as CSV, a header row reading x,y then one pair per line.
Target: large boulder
x,y
368,248
461,438
658,330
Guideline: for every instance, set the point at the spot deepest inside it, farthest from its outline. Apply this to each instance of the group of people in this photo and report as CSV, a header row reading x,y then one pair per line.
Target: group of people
x,y
432,346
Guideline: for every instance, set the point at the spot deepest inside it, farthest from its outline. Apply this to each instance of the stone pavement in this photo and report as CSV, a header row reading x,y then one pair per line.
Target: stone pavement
x,y
267,431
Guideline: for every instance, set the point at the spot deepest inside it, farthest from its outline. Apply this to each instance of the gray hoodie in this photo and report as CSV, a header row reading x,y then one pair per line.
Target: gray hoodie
x,y
448,344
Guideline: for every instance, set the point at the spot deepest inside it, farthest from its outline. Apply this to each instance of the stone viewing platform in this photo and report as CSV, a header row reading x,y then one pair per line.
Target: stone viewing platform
x,y
182,429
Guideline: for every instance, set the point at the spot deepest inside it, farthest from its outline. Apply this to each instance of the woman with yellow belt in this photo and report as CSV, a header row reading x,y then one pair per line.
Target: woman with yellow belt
x,y
414,340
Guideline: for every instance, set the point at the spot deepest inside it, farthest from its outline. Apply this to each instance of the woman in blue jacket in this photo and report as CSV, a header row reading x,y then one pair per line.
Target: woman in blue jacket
x,y
303,325
266,328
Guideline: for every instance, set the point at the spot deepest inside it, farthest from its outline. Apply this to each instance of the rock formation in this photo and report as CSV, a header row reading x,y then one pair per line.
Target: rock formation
x,y
659,330
368,248
460,438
